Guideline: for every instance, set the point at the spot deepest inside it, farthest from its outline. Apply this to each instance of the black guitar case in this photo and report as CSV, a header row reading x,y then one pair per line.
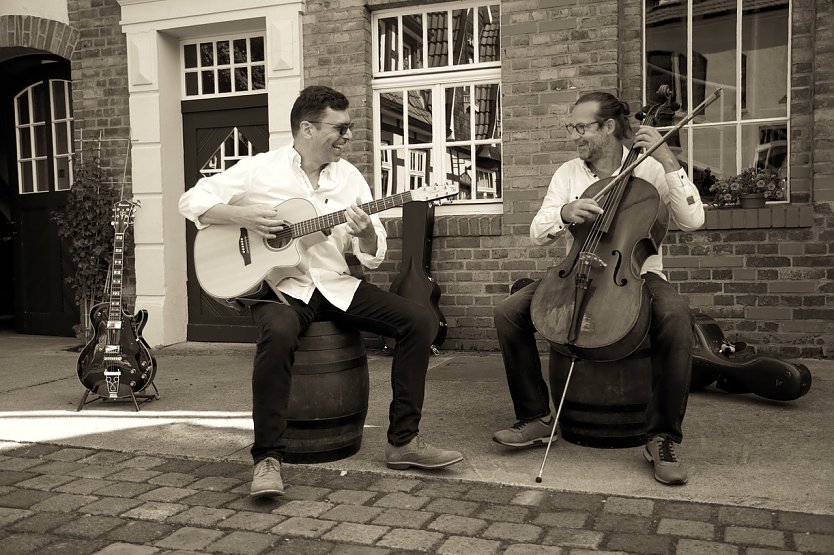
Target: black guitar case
x,y
717,360
414,280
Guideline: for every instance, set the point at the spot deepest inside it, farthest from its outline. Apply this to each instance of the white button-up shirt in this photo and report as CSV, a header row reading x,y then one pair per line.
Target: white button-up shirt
x,y
574,176
276,176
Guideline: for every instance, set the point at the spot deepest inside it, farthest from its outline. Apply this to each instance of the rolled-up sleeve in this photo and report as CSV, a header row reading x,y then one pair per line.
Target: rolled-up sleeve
x,y
223,188
370,261
684,201
548,224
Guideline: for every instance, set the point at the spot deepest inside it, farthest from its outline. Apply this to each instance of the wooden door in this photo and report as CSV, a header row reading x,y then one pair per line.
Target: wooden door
x,y
35,117
216,134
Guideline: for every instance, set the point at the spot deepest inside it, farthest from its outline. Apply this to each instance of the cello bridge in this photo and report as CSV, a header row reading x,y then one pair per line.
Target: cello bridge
x,y
592,259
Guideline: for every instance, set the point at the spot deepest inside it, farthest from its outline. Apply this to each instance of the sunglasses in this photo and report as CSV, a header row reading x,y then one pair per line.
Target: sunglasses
x,y
342,127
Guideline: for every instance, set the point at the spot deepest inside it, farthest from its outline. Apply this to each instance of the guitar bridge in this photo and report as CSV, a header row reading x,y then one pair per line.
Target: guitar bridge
x,y
243,246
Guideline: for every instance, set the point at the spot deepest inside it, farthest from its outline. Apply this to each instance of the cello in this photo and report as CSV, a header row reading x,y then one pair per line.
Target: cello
x,y
572,306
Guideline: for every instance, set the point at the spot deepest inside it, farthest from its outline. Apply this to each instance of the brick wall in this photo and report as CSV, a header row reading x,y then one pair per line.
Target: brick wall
x,y
771,285
100,95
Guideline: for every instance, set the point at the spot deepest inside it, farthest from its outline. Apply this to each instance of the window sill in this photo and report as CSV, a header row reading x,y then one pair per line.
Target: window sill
x,y
769,217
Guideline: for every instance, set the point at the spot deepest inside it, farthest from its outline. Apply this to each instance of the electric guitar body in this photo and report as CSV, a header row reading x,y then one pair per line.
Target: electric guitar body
x,y
133,358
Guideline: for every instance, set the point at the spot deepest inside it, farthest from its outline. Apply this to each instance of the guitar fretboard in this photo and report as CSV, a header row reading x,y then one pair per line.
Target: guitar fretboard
x,y
333,219
114,315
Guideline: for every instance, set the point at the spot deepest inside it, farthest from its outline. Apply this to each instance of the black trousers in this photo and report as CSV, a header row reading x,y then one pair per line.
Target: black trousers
x,y
372,309
670,332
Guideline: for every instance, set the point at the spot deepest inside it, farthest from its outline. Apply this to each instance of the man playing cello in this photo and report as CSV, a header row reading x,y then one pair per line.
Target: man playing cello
x,y
598,127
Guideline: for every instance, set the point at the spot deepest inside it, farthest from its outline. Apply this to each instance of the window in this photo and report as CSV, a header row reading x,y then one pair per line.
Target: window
x,y
43,128
437,100
223,66
742,46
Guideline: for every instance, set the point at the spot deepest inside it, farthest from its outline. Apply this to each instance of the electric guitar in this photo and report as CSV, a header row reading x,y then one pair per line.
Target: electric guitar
x,y
117,362
230,262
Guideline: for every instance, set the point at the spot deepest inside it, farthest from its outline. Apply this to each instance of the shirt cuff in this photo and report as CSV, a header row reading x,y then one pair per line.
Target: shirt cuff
x,y
370,261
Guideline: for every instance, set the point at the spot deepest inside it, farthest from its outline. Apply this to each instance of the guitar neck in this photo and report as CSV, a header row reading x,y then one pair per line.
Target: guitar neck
x,y
114,314
333,219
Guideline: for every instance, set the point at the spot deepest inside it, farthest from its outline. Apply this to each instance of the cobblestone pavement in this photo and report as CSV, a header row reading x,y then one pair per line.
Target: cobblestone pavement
x,y
57,500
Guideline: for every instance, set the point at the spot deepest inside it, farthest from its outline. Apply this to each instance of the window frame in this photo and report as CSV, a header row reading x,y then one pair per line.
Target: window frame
x,y
215,67
738,123
436,79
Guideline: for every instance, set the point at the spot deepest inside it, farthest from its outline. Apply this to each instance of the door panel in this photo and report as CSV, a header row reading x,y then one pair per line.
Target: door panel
x,y
214,139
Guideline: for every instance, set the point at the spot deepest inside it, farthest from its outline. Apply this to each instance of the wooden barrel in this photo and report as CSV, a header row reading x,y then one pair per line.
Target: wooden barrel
x,y
605,402
329,395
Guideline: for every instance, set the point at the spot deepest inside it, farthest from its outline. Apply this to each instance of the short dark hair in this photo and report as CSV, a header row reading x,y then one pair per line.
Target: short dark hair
x,y
312,102
610,107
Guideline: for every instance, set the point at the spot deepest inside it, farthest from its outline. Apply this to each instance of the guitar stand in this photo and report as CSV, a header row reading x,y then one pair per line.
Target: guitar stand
x,y
138,399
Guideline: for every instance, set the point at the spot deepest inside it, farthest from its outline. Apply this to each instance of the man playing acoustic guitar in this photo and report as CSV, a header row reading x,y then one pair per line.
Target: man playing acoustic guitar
x,y
598,127
248,195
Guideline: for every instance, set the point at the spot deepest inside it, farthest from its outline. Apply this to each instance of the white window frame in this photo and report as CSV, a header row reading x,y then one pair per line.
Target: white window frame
x,y
231,66
478,73
738,122
65,129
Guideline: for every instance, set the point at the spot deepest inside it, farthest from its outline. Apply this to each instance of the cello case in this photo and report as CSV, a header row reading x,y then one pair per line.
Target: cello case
x,y
717,360
414,282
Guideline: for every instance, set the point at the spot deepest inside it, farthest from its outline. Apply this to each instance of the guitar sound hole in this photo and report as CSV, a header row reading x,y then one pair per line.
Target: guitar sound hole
x,y
281,240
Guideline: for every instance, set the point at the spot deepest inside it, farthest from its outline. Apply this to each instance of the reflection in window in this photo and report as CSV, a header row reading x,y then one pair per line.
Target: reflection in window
x,y
443,127
741,47
234,147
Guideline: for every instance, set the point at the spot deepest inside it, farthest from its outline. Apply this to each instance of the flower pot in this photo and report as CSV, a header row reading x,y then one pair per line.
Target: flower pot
x,y
752,200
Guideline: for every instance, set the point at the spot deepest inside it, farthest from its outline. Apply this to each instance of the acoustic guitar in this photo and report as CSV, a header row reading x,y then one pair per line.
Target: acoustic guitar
x,y
231,263
117,362
414,281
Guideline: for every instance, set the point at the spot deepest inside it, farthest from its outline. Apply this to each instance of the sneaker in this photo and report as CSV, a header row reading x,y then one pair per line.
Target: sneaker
x,y
526,434
266,480
668,469
420,454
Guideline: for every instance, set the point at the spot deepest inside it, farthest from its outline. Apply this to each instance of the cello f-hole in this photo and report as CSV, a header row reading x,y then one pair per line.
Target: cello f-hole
x,y
620,282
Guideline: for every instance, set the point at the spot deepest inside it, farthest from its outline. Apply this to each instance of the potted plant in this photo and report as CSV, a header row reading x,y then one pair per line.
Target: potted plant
x,y
751,188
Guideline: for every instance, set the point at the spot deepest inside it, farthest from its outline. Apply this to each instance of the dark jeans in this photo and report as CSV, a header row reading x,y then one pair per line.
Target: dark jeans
x,y
373,310
670,333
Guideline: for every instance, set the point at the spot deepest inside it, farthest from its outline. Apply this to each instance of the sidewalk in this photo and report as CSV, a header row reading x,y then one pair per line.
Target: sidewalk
x,y
174,476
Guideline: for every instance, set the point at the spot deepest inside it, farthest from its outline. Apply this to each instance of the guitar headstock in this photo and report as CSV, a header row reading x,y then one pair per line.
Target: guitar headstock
x,y
434,192
123,213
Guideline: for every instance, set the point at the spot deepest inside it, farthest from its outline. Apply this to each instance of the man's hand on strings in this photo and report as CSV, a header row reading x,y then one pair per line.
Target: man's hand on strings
x,y
580,211
262,219
359,225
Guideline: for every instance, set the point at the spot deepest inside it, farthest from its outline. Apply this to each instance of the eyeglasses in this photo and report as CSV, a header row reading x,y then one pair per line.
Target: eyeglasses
x,y
580,128
342,127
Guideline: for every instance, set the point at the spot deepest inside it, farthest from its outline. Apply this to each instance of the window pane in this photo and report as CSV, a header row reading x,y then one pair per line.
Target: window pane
x,y
190,55
39,103
208,81
462,40
488,172
458,113
40,140
765,51
191,84
387,29
241,79
438,38
24,143
61,132
59,101
714,59
488,111
714,149
257,49
765,146
258,81
419,116
391,118
666,49
23,108
43,176
206,54
489,34
27,181
240,51
224,80
460,170
62,174
223,52
412,41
